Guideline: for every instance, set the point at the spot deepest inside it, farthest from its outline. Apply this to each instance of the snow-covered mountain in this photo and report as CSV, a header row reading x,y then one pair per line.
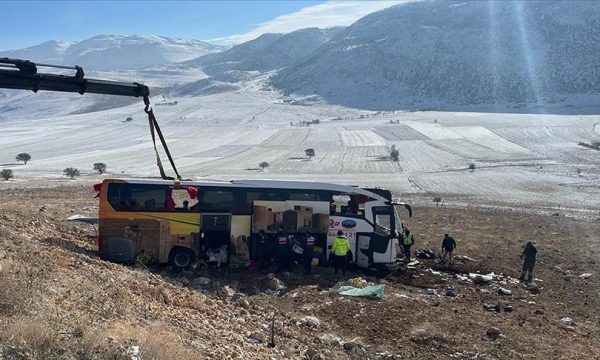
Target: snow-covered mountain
x,y
461,53
116,52
267,52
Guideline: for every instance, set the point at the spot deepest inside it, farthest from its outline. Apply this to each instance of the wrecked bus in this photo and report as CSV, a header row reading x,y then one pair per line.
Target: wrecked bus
x,y
184,221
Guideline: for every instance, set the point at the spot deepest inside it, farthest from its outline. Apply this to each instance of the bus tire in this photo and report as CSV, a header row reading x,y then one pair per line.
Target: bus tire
x,y
180,258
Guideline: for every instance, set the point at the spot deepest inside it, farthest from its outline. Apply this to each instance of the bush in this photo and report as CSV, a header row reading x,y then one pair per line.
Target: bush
x,y
71,172
100,167
437,200
394,153
472,166
309,152
24,157
263,165
7,174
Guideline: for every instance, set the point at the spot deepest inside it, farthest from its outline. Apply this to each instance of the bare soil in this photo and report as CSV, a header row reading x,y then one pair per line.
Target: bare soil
x,y
59,300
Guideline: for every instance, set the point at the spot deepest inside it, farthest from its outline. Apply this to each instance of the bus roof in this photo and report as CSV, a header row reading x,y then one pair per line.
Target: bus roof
x,y
262,184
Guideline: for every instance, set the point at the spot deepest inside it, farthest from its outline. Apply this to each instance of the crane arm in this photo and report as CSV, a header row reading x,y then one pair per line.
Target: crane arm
x,y
22,74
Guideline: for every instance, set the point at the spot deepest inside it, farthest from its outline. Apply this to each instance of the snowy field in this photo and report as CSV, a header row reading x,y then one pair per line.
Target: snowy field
x,y
522,160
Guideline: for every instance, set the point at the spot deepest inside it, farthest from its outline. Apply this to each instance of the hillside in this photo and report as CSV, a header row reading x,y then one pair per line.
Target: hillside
x,y
469,53
267,52
115,52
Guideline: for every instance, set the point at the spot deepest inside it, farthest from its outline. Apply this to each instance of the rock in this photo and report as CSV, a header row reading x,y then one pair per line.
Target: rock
x,y
430,292
330,339
585,275
311,354
533,288
507,308
350,346
166,296
311,321
493,333
539,312
464,258
201,281
481,279
43,208
567,321
358,282
258,336
243,303
275,284
492,307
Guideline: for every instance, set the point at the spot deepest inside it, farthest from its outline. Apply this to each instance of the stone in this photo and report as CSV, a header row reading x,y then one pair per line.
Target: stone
x,y
311,321
503,291
430,291
311,354
566,321
585,275
330,339
258,336
350,346
533,288
493,333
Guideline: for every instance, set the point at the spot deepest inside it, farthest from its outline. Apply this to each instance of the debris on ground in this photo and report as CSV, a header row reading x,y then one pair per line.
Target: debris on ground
x,y
425,254
480,279
464,258
566,321
492,307
358,282
493,333
373,291
450,291
585,275
430,291
503,291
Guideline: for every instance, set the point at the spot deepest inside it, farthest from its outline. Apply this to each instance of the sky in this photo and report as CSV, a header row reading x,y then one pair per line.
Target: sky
x,y
28,23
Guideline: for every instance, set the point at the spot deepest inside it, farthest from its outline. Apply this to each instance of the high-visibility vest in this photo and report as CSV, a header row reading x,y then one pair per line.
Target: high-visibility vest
x,y
340,246
408,239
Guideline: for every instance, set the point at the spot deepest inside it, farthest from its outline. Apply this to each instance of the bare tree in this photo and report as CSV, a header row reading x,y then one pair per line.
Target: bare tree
x,y
71,172
100,167
309,153
7,174
24,157
263,165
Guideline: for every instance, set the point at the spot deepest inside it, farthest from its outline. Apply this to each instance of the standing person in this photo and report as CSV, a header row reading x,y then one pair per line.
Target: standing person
x,y
528,257
262,249
339,251
282,252
309,244
407,241
448,246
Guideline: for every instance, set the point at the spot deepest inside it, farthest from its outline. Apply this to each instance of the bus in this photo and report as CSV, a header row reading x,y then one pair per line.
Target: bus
x,y
179,222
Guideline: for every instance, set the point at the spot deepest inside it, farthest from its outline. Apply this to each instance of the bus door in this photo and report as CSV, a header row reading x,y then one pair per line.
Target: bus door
x,y
383,248
216,234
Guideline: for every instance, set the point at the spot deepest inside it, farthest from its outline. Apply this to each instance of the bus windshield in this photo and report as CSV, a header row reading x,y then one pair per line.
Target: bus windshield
x,y
397,222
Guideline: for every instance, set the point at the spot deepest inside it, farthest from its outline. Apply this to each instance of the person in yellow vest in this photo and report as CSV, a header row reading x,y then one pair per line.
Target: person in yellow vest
x,y
407,241
339,251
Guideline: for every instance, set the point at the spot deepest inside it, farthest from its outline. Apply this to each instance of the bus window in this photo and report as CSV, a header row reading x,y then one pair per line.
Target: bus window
x,y
383,220
137,197
217,200
182,201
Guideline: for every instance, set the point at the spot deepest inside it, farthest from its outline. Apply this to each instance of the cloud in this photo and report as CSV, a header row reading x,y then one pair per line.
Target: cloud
x,y
326,15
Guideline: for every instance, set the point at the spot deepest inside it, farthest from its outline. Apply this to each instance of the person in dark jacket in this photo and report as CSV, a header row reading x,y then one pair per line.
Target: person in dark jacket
x,y
282,252
528,256
408,240
448,246
262,249
309,244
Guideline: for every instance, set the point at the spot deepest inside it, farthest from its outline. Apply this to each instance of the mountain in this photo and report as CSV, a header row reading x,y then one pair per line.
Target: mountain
x,y
461,53
267,52
116,52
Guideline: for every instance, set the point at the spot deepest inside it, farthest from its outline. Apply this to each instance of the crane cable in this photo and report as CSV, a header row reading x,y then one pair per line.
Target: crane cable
x,y
154,127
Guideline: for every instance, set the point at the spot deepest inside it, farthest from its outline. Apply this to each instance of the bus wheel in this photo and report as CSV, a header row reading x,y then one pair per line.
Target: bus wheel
x,y
181,258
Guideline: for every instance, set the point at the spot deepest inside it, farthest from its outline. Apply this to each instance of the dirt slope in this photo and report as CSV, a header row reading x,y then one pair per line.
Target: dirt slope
x,y
58,300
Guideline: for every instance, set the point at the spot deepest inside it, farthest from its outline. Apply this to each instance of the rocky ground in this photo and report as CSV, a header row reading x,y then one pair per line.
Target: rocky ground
x,y
58,300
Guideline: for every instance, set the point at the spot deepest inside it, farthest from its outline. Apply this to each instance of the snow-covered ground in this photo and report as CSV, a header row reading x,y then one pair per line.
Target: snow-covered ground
x,y
520,159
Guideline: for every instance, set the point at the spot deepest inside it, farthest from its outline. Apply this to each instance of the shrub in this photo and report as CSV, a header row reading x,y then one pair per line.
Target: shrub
x,y
472,166
129,119
24,157
310,153
71,172
7,174
263,165
394,153
100,167
437,200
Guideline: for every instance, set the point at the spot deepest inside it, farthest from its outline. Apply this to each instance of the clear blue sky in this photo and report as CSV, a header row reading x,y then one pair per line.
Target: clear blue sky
x,y
27,23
